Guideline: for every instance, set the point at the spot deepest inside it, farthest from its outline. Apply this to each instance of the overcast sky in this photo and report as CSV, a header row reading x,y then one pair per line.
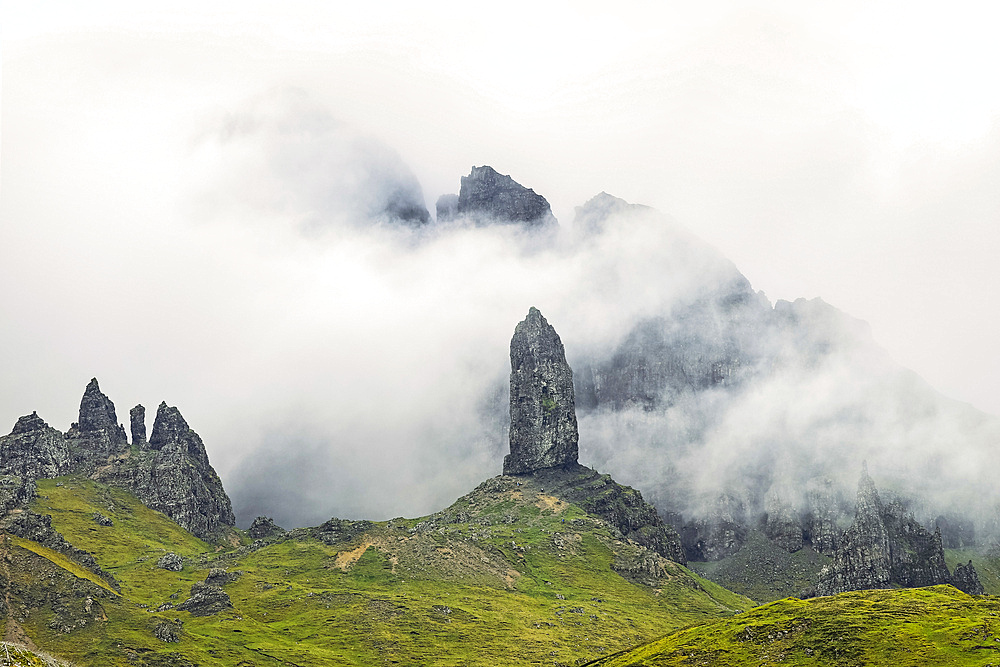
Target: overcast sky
x,y
850,152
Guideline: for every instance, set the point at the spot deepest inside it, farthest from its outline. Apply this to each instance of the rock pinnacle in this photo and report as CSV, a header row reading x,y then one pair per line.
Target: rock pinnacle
x,y
543,431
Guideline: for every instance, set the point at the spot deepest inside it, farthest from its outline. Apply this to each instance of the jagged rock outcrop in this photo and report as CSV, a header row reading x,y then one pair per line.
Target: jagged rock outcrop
x,y
137,417
170,473
966,579
783,525
263,527
170,561
720,533
488,197
543,429
220,576
33,450
206,600
168,630
884,547
97,436
173,475
820,524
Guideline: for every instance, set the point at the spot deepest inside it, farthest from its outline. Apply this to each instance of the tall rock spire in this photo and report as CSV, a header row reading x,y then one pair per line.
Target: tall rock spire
x,y
97,435
138,418
543,431
173,475
97,413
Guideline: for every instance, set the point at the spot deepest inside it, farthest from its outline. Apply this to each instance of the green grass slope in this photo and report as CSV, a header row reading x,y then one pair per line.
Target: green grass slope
x,y
507,575
938,625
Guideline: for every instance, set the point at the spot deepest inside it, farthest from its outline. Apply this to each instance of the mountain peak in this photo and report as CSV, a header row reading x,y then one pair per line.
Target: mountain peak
x,y
488,196
97,413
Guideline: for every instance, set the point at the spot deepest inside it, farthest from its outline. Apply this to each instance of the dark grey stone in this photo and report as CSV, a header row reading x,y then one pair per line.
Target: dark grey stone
x,y
543,430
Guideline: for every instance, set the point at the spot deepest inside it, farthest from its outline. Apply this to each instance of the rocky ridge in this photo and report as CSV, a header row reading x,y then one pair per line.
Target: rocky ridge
x,y
170,473
487,196
886,547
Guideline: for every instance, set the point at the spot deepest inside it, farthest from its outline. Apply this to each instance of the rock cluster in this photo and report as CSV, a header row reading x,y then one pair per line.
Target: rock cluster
x,y
543,430
170,561
966,579
263,527
488,197
168,630
886,547
206,600
170,473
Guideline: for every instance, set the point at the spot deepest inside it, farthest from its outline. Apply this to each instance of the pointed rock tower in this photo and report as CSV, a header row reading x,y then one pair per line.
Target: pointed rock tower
x,y
97,435
884,547
544,450
543,431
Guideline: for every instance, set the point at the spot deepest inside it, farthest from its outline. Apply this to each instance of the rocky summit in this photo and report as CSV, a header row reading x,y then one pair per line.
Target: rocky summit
x,y
543,431
97,435
886,547
33,450
170,473
487,196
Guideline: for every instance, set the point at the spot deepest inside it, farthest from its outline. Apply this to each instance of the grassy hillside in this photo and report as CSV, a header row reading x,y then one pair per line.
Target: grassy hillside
x,y
925,626
507,574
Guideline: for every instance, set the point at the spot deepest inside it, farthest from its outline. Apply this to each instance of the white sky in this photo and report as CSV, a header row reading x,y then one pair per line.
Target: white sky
x,y
850,152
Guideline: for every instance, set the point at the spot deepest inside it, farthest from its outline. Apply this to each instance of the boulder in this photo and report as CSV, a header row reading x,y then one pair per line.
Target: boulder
x,y
170,561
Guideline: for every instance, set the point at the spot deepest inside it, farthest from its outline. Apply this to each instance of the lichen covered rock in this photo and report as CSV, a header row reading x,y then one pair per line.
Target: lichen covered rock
x,y
206,600
263,527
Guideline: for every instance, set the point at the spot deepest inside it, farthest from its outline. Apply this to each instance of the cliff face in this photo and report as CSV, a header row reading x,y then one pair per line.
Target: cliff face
x,y
170,473
543,430
885,547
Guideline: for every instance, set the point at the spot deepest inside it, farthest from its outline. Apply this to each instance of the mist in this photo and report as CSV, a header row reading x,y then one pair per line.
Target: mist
x,y
210,220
